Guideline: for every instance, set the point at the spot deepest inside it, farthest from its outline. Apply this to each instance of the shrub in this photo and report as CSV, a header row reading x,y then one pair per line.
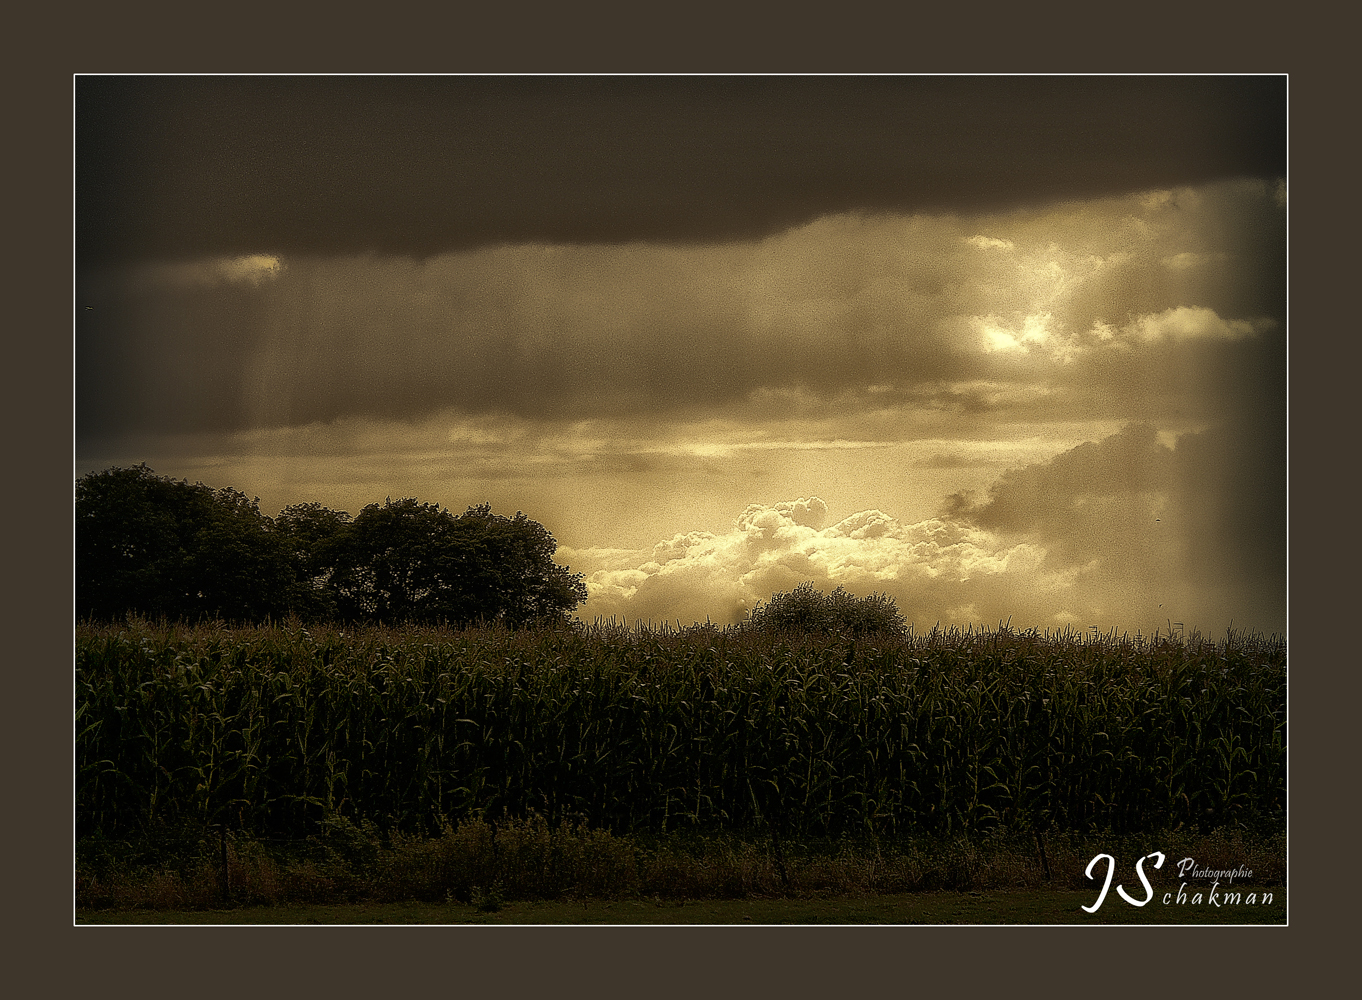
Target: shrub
x,y
805,609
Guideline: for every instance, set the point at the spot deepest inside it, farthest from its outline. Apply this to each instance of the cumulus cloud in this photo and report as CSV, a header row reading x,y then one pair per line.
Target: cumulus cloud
x,y
934,568
806,513
1129,463
1124,532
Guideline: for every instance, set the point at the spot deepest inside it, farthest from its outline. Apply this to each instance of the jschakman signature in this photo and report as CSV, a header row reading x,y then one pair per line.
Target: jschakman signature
x,y
1215,896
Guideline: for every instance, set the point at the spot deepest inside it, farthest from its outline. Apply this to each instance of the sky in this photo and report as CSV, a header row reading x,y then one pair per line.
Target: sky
x,y
1002,348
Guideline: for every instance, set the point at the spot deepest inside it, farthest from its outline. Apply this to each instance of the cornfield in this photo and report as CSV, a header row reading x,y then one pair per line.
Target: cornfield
x,y
276,730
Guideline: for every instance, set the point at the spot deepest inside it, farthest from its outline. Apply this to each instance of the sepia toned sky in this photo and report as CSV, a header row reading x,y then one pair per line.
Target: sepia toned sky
x,y
1001,347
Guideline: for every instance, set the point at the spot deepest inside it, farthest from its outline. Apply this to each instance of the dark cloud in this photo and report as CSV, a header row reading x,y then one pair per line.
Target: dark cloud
x,y
1199,528
1044,497
173,363
1024,315
183,167
1229,507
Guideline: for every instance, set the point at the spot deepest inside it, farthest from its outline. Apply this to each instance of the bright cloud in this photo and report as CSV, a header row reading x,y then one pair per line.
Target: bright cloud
x,y
997,337
1123,532
1170,326
926,566
1187,323
989,243
250,269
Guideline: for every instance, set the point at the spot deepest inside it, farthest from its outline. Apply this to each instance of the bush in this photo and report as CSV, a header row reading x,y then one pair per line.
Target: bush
x,y
805,609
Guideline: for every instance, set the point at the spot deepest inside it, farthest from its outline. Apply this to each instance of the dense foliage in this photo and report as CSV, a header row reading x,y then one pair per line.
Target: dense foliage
x,y
806,609
156,547
408,561
277,730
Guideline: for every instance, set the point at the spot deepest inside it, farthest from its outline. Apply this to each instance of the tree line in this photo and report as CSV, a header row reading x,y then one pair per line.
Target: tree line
x,y
158,547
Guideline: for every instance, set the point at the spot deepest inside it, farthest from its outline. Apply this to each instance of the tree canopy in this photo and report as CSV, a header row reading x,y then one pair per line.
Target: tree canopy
x,y
150,545
409,561
155,546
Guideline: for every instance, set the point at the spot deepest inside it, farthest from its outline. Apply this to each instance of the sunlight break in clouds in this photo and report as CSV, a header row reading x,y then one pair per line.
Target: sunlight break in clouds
x,y
1175,325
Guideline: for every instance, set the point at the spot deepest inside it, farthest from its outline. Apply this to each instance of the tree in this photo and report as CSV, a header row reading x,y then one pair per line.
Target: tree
x,y
314,536
151,545
409,561
239,564
133,533
509,562
388,563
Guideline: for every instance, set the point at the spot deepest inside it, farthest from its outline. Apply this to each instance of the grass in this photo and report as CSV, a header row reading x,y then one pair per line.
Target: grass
x,y
935,908
534,864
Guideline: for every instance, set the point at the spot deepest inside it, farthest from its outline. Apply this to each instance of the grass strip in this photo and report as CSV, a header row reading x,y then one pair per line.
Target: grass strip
x,y
925,908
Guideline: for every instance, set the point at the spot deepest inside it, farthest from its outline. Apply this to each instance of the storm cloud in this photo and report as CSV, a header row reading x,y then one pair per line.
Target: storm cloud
x,y
1073,303
182,168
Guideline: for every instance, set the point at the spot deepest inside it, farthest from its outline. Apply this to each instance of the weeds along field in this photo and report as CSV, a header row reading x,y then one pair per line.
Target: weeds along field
x,y
275,731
